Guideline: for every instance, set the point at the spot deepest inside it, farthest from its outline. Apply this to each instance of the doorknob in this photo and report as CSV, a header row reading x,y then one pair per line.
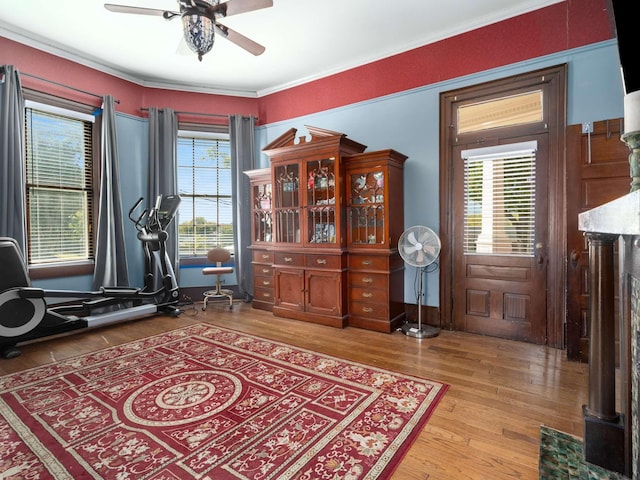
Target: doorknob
x,y
574,256
539,257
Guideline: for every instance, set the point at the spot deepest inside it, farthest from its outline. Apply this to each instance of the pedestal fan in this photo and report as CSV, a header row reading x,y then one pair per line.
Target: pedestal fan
x,y
419,247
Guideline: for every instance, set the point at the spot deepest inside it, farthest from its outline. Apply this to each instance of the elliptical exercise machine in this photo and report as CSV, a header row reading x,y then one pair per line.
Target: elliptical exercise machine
x,y
25,314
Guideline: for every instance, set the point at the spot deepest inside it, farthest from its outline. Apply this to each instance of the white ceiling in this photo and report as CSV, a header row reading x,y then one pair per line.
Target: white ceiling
x,y
304,39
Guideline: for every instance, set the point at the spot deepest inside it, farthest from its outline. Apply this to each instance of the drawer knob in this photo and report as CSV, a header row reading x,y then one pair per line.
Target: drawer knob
x,y
265,270
266,295
265,256
367,294
266,282
366,262
288,259
367,280
321,261
367,309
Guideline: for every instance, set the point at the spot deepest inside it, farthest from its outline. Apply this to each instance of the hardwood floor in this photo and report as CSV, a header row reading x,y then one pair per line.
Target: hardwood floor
x,y
486,427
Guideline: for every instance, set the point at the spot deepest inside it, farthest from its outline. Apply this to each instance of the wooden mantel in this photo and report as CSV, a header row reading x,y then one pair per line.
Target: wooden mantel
x,y
610,437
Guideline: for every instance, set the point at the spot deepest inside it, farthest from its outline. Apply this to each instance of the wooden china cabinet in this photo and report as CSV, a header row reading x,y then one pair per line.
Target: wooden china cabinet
x,y
375,221
261,237
324,244
310,261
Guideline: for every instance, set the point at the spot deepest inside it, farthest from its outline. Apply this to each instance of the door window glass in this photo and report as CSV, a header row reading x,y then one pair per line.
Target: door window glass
x,y
499,199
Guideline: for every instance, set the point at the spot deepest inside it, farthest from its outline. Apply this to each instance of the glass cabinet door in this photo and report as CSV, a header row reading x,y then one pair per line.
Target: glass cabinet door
x,y
287,203
262,221
321,201
366,208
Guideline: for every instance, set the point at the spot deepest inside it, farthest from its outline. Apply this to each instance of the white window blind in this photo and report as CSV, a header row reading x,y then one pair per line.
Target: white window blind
x,y
59,174
499,199
204,185
59,111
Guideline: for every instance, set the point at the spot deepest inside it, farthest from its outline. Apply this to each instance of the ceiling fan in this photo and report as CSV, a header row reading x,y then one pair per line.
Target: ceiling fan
x,y
200,21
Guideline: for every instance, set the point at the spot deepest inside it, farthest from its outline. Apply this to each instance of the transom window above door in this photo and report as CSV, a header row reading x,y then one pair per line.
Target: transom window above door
x,y
501,112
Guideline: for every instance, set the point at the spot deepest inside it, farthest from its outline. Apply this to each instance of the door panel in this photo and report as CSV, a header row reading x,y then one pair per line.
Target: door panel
x,y
598,172
502,294
289,288
324,290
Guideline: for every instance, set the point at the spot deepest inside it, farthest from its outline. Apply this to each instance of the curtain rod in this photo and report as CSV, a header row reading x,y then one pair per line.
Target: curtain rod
x,y
64,86
146,109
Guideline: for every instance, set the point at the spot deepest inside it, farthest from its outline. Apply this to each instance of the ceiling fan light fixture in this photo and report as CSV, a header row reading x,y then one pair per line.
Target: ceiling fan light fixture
x,y
199,21
199,33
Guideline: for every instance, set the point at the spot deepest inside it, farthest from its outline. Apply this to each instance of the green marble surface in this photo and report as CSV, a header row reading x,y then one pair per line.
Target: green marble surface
x,y
561,457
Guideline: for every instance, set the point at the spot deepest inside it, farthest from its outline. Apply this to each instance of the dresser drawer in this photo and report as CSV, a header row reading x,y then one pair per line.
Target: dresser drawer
x,y
289,259
369,280
368,262
262,256
333,262
371,310
368,295
263,294
262,281
265,270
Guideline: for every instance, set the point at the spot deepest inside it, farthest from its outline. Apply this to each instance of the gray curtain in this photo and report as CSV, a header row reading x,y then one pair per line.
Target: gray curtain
x,y
12,172
111,257
242,140
163,167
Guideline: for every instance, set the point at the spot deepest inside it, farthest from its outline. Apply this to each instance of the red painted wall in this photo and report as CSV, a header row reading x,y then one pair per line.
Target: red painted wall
x,y
556,28
559,27
132,96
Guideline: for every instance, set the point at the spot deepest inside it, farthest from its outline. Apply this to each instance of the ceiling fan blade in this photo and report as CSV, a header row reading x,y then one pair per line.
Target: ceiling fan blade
x,y
234,7
240,40
140,10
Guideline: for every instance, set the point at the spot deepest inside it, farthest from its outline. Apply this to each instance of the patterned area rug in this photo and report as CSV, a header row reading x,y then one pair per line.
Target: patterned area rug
x,y
561,458
210,403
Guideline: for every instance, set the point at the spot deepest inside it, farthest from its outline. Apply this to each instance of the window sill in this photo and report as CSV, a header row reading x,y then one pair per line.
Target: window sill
x,y
200,261
193,261
38,272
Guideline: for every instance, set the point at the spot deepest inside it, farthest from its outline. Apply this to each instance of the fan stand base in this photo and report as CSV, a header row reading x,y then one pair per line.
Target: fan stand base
x,y
416,331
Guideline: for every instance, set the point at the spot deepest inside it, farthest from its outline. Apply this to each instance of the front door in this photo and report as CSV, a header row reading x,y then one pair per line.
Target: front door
x,y
500,274
501,208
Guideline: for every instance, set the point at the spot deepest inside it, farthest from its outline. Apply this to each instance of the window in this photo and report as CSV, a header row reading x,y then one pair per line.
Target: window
x,y
59,166
499,200
204,185
501,112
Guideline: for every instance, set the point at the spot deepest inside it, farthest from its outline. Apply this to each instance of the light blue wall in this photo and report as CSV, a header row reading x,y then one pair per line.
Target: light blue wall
x,y
409,122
